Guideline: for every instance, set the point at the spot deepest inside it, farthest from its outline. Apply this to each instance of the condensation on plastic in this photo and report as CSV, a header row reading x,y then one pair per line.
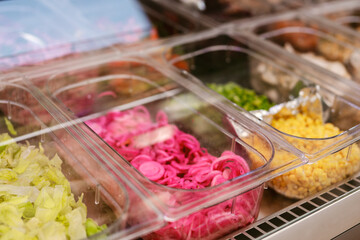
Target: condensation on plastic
x,y
110,198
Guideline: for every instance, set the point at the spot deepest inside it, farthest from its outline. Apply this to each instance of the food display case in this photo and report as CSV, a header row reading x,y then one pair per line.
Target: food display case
x,y
180,148
182,127
53,186
281,99
219,62
305,38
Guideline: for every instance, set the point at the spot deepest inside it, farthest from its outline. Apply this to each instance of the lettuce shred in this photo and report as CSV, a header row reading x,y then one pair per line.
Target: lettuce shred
x,y
10,127
35,197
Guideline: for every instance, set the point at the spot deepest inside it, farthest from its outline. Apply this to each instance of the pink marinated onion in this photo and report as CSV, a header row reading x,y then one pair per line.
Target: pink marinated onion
x,y
153,170
106,93
168,156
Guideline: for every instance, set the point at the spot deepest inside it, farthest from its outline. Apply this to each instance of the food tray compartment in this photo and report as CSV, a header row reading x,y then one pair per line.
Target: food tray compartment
x,y
54,186
225,10
324,123
145,95
312,41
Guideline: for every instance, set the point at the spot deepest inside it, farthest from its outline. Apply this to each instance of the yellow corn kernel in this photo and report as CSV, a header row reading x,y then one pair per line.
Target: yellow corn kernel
x,y
305,180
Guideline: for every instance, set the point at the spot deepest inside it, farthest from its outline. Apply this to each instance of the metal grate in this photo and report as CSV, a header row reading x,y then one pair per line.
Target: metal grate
x,y
293,213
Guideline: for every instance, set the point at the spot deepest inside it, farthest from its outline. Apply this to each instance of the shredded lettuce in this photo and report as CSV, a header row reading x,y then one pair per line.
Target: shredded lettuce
x,y
92,227
10,127
35,197
52,230
5,139
7,175
29,191
76,223
14,233
10,215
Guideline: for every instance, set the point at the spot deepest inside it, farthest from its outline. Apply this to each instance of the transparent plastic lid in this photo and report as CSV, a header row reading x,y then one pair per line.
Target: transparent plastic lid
x,y
146,118
309,41
225,10
218,58
347,17
54,186
343,16
323,125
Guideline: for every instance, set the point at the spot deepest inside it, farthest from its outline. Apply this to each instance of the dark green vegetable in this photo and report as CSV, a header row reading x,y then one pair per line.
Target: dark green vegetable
x,y
243,97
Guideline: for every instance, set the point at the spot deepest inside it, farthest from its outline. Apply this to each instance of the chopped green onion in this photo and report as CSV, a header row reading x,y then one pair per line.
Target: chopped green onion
x,y
245,98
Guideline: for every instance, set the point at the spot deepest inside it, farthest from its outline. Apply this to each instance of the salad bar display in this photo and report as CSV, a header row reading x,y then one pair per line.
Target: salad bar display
x,y
334,52
171,157
209,120
296,108
164,142
51,186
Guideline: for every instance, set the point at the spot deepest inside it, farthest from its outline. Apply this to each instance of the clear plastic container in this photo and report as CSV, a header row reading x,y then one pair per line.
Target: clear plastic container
x,y
219,59
344,16
314,42
96,90
225,10
167,21
40,161
348,18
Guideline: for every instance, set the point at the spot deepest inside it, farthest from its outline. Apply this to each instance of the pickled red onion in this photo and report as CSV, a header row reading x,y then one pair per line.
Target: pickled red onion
x,y
106,93
168,156
152,170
